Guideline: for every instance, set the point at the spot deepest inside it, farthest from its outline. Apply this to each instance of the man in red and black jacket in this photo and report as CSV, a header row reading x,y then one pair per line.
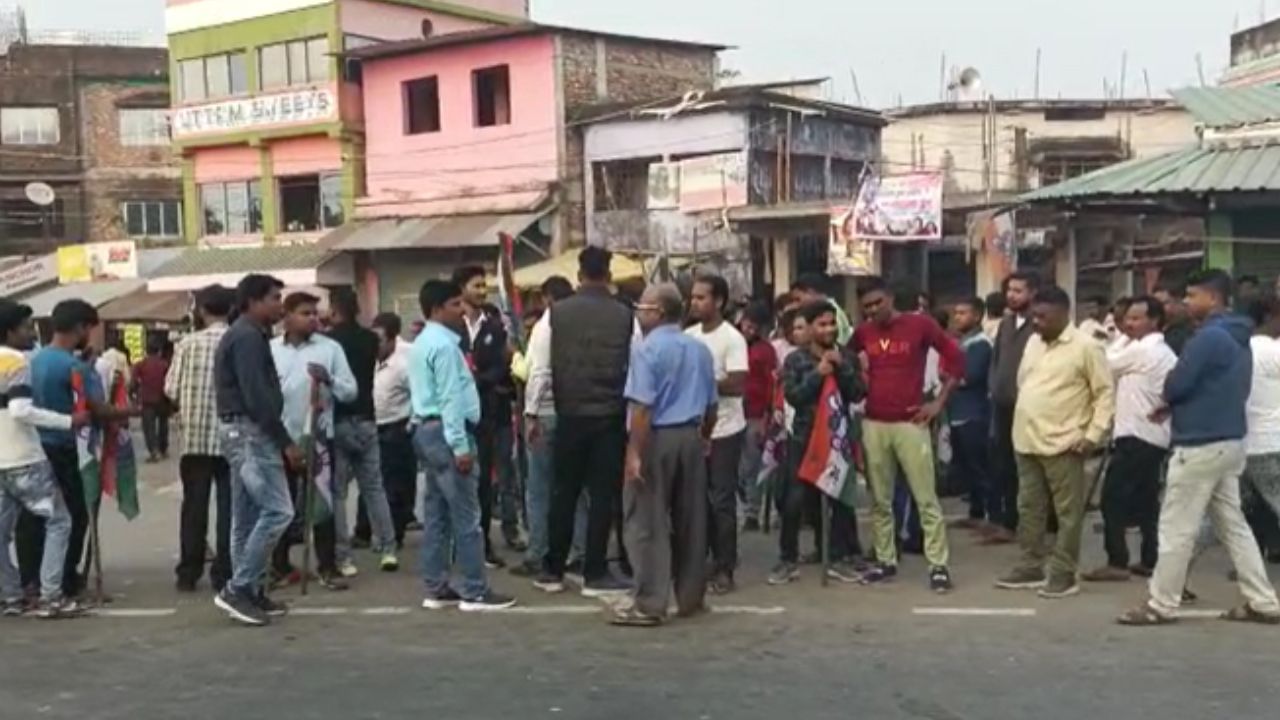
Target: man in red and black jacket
x,y
485,345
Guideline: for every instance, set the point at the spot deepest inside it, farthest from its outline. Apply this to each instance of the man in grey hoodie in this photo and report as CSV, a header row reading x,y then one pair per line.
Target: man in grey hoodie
x,y
1206,393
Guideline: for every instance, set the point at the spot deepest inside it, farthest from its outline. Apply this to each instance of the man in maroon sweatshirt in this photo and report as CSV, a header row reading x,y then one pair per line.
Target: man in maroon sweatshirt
x,y
895,343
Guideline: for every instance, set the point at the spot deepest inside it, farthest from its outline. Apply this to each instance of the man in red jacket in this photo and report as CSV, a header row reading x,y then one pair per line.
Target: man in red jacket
x,y
895,344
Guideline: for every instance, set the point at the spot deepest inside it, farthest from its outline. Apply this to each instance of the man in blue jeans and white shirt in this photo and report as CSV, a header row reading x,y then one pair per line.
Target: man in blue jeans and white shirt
x,y
446,408
256,445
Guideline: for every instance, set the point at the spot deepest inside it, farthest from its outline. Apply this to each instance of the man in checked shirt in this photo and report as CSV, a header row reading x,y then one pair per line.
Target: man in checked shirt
x,y
190,386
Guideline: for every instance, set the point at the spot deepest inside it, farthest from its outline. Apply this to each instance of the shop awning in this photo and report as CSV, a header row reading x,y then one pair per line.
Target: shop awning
x,y
144,306
453,231
295,266
96,294
566,265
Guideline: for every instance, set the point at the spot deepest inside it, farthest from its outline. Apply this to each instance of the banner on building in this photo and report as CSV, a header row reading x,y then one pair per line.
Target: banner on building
x,y
98,261
134,337
290,108
899,208
27,275
713,182
994,235
848,254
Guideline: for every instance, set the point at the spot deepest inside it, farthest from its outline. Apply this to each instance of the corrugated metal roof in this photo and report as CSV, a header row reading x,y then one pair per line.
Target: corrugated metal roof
x,y
196,261
1194,170
147,306
96,294
453,231
1224,107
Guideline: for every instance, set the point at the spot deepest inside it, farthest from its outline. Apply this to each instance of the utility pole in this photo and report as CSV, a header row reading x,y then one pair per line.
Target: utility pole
x,y
1200,69
1124,71
1037,91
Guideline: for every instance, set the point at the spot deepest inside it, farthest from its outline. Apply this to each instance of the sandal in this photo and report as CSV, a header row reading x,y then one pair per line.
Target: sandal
x,y
1246,614
1144,616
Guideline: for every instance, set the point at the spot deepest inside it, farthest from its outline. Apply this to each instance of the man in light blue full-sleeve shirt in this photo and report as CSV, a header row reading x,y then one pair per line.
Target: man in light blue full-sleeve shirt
x,y
303,357
446,408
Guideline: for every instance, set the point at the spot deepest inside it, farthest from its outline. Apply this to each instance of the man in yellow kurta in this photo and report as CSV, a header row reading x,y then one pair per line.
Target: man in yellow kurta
x,y
1065,404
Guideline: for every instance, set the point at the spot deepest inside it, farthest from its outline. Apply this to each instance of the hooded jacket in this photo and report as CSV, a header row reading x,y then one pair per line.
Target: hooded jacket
x,y
1210,385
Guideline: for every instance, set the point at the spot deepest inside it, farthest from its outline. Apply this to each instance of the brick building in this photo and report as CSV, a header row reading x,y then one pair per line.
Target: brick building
x,y
89,121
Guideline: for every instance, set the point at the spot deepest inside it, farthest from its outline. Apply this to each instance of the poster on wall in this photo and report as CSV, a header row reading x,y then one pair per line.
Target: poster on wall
x,y
98,261
713,182
848,254
899,208
134,340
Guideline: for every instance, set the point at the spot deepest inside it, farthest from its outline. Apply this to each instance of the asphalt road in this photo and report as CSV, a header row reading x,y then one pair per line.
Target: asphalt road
x,y
801,651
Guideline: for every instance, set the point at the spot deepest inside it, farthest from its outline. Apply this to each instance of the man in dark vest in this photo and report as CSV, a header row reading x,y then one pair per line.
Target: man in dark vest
x,y
1011,340
591,335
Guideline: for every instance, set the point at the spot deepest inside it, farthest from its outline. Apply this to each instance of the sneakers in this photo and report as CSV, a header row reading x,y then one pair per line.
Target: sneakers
x,y
446,599
784,573
879,574
60,609
333,582
1059,587
548,583
940,580
389,563
526,569
1022,579
1106,573
271,607
604,586
241,608
13,608
844,572
488,602
347,568
721,584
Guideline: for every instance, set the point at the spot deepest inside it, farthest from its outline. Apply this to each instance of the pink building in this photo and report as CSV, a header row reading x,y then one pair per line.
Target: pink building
x,y
472,134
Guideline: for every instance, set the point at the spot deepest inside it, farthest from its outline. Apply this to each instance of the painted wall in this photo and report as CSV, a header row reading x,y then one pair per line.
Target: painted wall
x,y
385,21
186,15
232,162
305,155
461,161
692,134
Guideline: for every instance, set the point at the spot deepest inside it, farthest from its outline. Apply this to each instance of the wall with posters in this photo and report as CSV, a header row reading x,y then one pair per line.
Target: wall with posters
x,y
97,261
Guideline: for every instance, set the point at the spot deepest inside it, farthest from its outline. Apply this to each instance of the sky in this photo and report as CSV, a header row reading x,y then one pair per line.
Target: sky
x,y
894,48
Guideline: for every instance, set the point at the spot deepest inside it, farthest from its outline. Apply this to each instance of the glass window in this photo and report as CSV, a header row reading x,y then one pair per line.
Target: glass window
x,y
233,208
217,74
273,67
331,214
29,126
133,221
255,206
297,63
237,209
318,60
144,126
213,199
152,218
239,74
171,219
191,80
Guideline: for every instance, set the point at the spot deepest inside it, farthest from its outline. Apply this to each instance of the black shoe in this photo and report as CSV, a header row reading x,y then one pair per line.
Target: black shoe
x,y
488,602
447,599
879,574
574,567
526,569
548,583
271,607
750,525
605,586
185,585
333,582
721,584
940,580
241,608
844,572
13,608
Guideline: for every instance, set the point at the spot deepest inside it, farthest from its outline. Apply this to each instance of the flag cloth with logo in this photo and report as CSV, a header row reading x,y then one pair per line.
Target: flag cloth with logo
x,y
319,464
108,465
828,462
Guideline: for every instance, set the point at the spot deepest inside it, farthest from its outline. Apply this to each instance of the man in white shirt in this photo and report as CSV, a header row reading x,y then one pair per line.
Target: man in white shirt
x,y
1140,363
26,478
729,351
391,413
1261,480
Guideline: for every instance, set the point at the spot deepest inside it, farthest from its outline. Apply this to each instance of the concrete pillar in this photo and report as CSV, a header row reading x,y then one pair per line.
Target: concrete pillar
x,y
783,267
1219,252
1064,266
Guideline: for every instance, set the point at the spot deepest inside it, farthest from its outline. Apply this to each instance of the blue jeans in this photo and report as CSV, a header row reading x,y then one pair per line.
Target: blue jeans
x,y
261,508
357,453
33,488
450,517
537,490
750,491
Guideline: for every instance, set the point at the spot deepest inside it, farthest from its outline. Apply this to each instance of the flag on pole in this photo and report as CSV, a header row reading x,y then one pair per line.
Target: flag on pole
x,y
108,465
828,459
319,465
508,296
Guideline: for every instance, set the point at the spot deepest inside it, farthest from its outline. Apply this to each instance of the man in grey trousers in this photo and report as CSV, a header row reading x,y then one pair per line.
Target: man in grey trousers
x,y
671,386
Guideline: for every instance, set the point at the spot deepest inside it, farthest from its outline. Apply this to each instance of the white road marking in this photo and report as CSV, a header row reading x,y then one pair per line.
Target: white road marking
x,y
1201,614
974,612
318,611
747,610
386,611
135,612
552,610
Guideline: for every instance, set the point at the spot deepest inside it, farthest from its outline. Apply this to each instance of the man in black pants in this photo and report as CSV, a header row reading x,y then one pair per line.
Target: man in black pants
x,y
190,386
392,410
1011,340
591,337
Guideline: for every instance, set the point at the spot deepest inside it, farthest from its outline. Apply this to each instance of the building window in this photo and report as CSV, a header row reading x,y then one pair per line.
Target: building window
x,y
152,218
29,126
24,220
310,202
144,126
212,77
492,91
233,208
1060,168
300,62
422,106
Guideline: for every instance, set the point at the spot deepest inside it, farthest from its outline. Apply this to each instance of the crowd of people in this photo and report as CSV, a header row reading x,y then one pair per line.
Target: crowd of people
x,y
637,434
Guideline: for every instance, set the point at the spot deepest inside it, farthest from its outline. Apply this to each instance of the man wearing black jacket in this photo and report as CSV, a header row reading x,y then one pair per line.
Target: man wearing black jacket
x,y
1011,340
485,343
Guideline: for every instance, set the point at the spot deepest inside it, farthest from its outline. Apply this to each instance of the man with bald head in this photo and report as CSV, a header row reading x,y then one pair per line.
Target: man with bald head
x,y
671,388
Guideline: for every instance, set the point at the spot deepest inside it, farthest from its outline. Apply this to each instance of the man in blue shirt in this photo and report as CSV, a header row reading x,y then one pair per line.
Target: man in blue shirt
x,y
446,407
969,417
303,358
671,386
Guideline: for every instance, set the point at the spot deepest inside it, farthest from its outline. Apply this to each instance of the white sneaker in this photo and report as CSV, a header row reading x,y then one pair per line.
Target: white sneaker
x,y
348,569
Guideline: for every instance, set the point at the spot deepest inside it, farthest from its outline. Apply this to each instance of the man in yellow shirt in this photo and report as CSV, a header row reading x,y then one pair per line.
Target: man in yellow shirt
x,y
1065,404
